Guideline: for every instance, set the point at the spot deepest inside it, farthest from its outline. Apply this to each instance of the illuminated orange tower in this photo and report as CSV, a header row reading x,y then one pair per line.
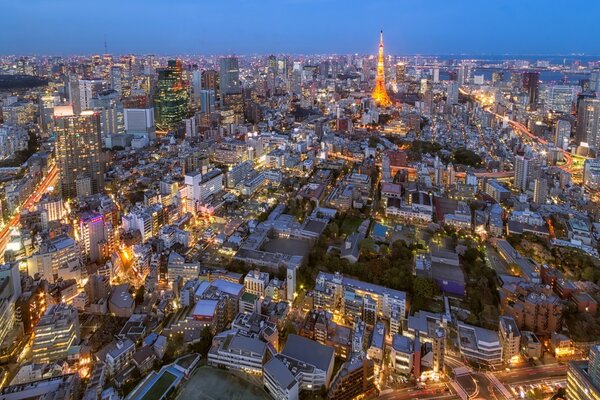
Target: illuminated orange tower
x,y
379,93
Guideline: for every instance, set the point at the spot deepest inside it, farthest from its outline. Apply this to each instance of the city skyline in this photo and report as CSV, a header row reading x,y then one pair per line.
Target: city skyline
x,y
234,26
299,199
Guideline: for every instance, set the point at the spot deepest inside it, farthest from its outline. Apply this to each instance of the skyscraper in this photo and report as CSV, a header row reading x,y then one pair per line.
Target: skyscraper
x,y
521,172
588,122
171,98
558,97
95,232
463,75
78,151
400,72
497,77
229,76
231,86
379,93
583,377
436,75
452,96
540,190
562,133
531,82
595,81
116,79
210,80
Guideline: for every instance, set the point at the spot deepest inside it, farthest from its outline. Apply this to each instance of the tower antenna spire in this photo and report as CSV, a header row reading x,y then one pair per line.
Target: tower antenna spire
x,y
379,93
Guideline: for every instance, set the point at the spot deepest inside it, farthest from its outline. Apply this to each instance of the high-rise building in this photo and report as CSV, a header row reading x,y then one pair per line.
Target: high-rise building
x,y
88,90
562,133
196,84
526,170
210,81
171,97
452,96
595,81
116,79
140,122
229,76
380,93
583,377
531,83
78,151
558,97
96,234
588,122
439,350
10,291
74,93
591,173
462,76
55,333
540,190
207,101
497,77
400,72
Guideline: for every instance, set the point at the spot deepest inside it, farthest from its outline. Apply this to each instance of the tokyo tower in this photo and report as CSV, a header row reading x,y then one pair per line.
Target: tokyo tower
x,y
379,93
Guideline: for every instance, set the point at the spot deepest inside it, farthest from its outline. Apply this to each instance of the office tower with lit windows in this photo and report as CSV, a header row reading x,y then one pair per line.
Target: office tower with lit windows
x,y
525,172
272,63
10,291
78,152
88,90
400,72
540,190
558,97
210,81
497,77
229,76
116,79
56,332
96,235
591,173
583,377
562,133
588,122
207,101
531,83
452,96
171,96
462,75
139,122
230,85
595,81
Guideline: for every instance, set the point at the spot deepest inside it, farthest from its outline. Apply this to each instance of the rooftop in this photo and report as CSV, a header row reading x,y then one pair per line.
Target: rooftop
x,y
308,351
403,344
280,373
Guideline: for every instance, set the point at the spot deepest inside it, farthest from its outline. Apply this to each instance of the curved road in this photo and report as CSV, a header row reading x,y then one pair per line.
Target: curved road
x,y
522,130
500,174
49,180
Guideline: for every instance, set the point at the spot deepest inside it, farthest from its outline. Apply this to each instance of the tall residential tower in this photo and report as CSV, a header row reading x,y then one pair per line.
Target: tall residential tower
x,y
78,151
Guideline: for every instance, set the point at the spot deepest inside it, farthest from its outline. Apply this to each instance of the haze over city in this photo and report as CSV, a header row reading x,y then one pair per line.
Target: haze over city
x,y
66,27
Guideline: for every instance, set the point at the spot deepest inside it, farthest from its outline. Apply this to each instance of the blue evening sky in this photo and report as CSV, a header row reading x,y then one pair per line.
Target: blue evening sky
x,y
299,26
